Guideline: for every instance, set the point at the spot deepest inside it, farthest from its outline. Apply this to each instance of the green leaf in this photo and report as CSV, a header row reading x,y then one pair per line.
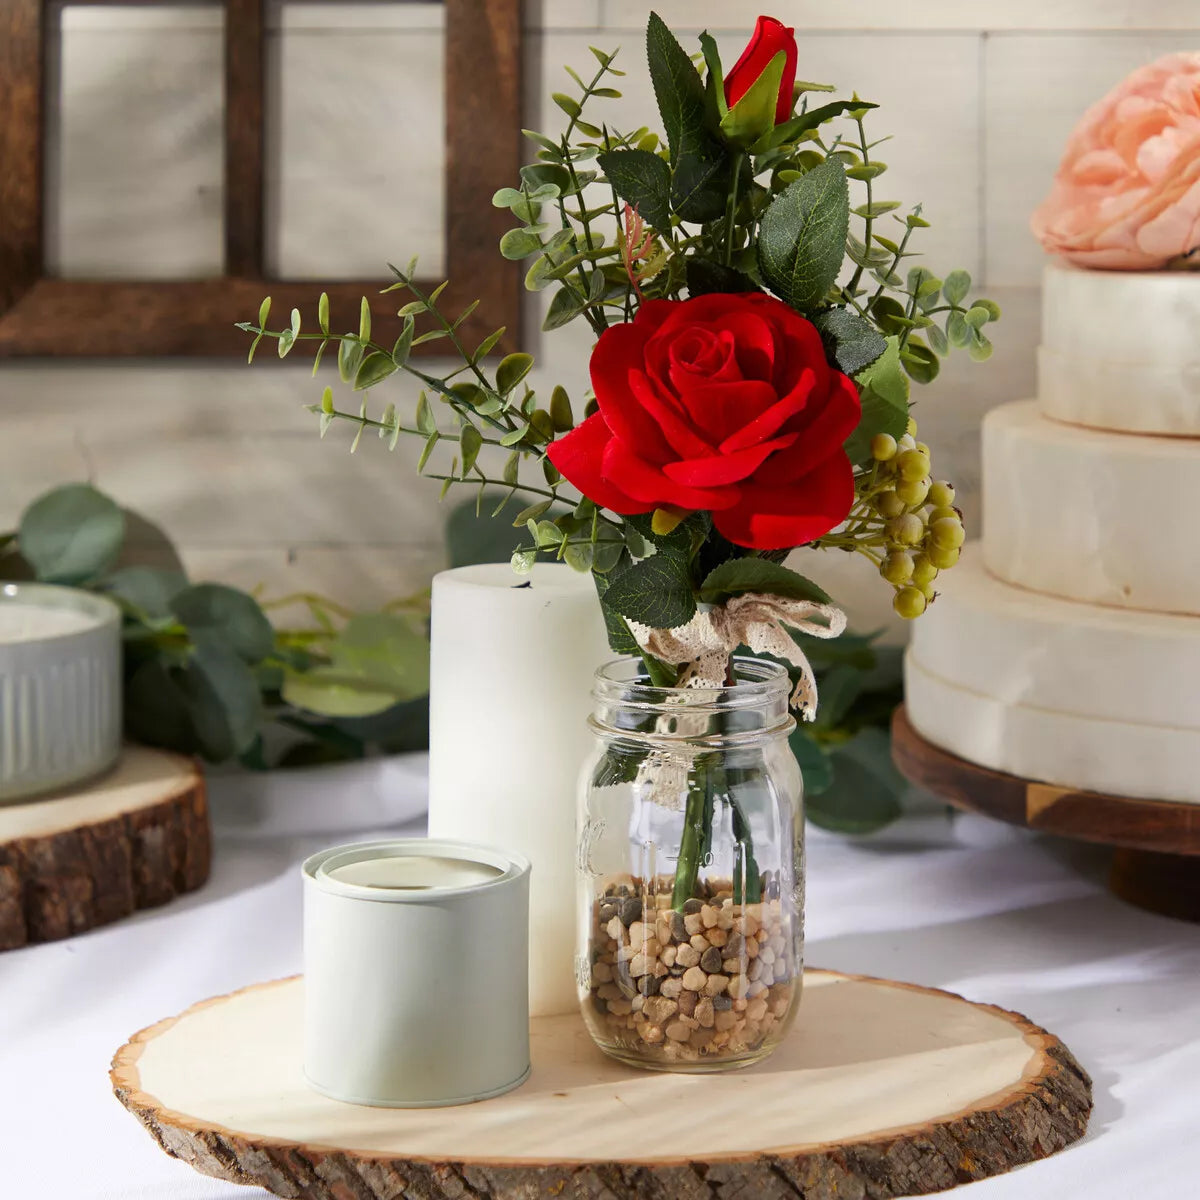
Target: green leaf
x,y
72,534
700,184
532,513
156,709
567,104
850,340
802,236
698,162
511,370
228,615
739,575
376,367
980,348
147,590
792,130
815,767
471,539
264,311
519,243
364,320
884,390
938,341
704,277
877,209
470,442
223,698
715,83
560,410
921,363
323,312
678,88
566,305
350,355
643,180
753,115
866,789
956,287
377,661
403,345
620,639
840,687
656,591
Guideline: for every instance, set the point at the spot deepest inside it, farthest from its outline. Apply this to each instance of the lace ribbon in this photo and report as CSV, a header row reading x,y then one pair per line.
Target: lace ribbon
x,y
703,646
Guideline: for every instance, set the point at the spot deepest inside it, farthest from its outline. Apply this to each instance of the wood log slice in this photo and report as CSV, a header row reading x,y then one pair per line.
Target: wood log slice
x,y
882,1089
134,838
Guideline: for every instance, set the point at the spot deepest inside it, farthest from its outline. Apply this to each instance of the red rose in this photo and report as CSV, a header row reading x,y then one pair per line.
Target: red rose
x,y
770,36
722,403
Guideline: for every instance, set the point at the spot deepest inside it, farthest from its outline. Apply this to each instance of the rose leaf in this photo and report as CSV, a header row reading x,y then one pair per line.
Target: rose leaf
x,y
656,591
737,576
643,180
802,236
852,342
704,277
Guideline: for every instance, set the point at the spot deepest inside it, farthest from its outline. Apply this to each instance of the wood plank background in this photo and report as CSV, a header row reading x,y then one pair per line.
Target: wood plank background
x,y
224,457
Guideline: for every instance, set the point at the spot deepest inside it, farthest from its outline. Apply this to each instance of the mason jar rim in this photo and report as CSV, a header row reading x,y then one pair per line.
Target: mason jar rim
x,y
625,681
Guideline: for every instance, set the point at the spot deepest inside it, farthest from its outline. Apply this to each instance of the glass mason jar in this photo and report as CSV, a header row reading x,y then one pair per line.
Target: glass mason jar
x,y
691,870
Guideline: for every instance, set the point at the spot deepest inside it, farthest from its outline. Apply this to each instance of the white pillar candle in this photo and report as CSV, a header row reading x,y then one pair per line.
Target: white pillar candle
x,y
509,697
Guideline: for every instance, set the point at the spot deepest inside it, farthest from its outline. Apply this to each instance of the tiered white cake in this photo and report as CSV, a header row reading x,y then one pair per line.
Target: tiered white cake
x,y
1066,647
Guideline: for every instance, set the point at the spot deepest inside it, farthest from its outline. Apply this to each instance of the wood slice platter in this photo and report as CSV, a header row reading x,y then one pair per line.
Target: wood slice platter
x,y
882,1089
135,837
1157,859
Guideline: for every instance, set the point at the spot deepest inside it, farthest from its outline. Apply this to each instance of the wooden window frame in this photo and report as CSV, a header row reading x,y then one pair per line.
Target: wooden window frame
x,y
46,316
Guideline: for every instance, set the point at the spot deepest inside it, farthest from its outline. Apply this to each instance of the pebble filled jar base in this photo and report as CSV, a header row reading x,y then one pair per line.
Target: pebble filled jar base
x,y
711,988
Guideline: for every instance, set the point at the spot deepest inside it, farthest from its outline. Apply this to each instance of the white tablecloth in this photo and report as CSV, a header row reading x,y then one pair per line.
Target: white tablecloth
x,y
994,913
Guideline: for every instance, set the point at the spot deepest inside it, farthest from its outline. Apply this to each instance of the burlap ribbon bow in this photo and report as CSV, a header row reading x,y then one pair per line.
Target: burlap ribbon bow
x,y
703,646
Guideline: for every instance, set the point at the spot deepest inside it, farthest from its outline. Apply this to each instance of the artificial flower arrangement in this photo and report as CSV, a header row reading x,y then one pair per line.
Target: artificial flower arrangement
x,y
753,357
756,332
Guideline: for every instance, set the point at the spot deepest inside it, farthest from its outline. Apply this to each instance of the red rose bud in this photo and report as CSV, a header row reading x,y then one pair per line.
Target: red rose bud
x,y
770,38
722,403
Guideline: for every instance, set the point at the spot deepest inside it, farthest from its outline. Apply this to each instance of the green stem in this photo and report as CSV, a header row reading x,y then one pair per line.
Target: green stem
x,y
697,832
747,880
868,222
731,209
500,483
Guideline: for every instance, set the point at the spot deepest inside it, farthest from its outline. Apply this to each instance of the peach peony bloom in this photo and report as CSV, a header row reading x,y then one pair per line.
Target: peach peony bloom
x,y
1127,192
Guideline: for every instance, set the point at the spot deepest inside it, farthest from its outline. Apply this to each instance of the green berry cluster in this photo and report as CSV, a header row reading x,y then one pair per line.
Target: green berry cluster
x,y
922,531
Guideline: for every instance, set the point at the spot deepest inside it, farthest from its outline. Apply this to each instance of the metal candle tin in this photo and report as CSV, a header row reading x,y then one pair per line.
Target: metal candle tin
x,y
416,972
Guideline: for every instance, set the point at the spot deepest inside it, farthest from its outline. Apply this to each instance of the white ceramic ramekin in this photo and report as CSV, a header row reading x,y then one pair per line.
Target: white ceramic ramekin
x,y
416,996
60,689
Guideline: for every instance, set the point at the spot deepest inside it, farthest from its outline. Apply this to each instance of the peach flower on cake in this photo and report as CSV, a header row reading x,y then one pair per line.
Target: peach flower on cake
x,y
1127,192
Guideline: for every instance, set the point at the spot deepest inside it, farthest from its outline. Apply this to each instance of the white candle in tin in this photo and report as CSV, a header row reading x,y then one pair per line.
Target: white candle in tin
x,y
415,873
511,666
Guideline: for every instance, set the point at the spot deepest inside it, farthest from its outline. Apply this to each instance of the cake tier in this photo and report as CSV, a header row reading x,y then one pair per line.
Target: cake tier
x,y
1049,689
1144,762
1121,349
1105,518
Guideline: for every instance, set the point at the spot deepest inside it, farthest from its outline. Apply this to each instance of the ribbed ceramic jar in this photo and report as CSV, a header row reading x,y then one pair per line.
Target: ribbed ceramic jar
x,y
691,870
60,687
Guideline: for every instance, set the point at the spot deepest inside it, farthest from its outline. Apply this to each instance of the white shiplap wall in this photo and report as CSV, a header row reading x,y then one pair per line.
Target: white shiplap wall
x,y
979,97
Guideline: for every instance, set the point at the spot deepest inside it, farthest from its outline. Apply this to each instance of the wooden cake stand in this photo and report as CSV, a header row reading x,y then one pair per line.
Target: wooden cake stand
x,y
136,837
882,1089
1156,864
